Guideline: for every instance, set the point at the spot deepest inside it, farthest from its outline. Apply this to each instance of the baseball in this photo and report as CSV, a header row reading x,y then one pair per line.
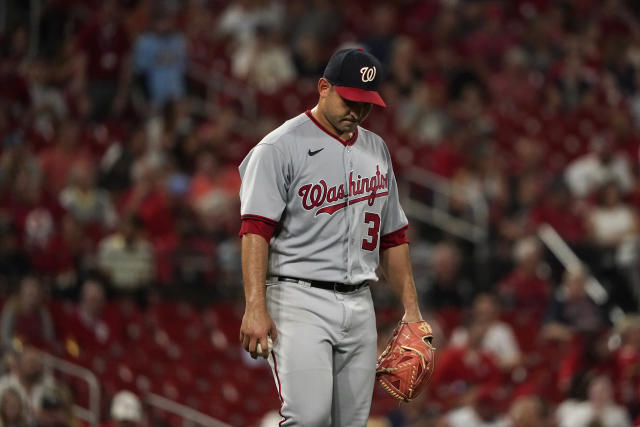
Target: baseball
x,y
269,346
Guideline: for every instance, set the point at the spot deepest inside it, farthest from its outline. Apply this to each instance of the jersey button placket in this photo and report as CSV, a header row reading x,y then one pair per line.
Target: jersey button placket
x,y
348,167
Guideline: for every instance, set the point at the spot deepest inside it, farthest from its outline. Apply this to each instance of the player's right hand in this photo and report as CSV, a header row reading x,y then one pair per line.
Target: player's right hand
x,y
256,326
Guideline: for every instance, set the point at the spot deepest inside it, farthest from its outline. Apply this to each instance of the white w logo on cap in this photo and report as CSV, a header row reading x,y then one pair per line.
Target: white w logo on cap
x,y
368,73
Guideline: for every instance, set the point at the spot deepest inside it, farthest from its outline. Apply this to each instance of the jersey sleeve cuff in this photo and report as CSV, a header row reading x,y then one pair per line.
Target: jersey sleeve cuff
x,y
259,225
395,238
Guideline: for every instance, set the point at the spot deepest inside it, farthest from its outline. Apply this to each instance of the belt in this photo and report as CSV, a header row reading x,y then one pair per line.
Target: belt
x,y
331,286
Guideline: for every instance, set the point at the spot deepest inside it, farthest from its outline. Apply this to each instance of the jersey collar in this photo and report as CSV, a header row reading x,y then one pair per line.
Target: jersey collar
x,y
344,142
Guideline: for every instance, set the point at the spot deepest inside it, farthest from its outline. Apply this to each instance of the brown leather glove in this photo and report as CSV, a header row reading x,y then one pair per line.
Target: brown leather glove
x,y
407,362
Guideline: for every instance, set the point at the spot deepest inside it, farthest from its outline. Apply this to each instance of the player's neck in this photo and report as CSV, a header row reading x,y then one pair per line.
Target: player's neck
x,y
320,118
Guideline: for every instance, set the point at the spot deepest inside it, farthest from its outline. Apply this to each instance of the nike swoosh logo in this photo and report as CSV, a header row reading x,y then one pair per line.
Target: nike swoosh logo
x,y
313,153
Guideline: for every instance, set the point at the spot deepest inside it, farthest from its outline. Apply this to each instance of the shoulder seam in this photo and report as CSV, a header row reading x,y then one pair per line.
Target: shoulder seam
x,y
271,144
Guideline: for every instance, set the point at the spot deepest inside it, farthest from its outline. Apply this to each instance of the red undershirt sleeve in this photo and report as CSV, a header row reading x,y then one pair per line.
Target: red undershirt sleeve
x,y
395,238
255,224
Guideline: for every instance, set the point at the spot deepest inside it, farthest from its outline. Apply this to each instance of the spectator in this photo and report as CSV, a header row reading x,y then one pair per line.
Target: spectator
x,y
91,326
413,413
14,262
572,310
212,184
215,133
33,211
584,358
47,99
600,408
528,411
103,51
380,31
117,163
188,262
612,224
526,287
499,338
627,372
147,199
65,256
167,130
26,319
241,18
509,80
404,71
447,287
264,62
55,408
308,57
573,81
483,411
160,57
29,379
318,19
58,160
465,373
126,410
84,201
602,164
526,189
127,259
562,212
422,115
17,156
13,411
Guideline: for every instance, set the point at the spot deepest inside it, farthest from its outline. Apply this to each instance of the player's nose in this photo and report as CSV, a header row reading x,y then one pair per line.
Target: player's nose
x,y
358,111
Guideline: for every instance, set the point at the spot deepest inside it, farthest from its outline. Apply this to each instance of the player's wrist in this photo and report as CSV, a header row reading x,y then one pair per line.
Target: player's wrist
x,y
412,316
256,304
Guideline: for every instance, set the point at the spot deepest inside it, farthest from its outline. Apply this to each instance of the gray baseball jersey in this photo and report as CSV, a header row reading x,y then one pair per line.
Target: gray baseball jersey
x,y
332,200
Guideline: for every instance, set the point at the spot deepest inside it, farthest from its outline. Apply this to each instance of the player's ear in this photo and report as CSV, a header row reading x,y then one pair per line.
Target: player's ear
x,y
323,87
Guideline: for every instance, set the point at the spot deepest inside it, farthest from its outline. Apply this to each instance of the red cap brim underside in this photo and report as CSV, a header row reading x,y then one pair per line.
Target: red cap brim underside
x,y
360,95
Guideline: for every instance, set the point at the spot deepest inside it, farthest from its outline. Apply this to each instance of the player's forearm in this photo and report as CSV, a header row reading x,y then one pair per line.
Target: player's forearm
x,y
255,250
396,267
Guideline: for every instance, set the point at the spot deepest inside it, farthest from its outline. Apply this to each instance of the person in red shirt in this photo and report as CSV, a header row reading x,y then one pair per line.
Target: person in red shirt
x,y
464,372
26,319
91,326
560,210
103,48
148,199
57,161
525,287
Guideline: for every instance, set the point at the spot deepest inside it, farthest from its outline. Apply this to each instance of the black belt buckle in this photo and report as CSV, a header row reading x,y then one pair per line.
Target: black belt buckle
x,y
343,289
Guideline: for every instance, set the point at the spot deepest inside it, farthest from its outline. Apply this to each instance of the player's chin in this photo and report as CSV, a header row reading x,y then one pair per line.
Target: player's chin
x,y
348,126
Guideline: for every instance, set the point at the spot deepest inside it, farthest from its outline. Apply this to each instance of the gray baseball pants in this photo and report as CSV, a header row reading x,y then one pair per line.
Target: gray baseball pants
x,y
324,358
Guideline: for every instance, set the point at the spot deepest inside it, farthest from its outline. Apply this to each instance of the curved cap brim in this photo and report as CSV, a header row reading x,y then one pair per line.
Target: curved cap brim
x,y
360,95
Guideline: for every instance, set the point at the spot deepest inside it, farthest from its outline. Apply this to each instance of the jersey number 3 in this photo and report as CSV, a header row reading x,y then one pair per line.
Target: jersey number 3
x,y
374,229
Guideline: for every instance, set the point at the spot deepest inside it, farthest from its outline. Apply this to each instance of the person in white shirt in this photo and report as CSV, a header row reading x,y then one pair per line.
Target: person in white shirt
x,y
598,408
499,338
589,171
613,224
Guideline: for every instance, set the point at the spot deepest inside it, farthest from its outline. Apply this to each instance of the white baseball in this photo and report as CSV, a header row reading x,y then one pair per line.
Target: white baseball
x,y
269,346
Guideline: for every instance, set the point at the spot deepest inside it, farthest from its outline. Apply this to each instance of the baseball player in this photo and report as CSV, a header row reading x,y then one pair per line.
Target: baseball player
x,y
320,213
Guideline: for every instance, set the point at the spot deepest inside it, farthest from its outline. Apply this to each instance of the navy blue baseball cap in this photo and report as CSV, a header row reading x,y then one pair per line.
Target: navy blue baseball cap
x,y
355,74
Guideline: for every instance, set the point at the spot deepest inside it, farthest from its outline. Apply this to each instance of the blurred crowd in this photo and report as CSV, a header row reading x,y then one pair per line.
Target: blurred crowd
x,y
122,123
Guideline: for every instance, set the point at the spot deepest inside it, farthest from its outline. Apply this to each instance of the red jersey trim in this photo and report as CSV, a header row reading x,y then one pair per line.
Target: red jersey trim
x,y
257,226
260,218
395,238
349,141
